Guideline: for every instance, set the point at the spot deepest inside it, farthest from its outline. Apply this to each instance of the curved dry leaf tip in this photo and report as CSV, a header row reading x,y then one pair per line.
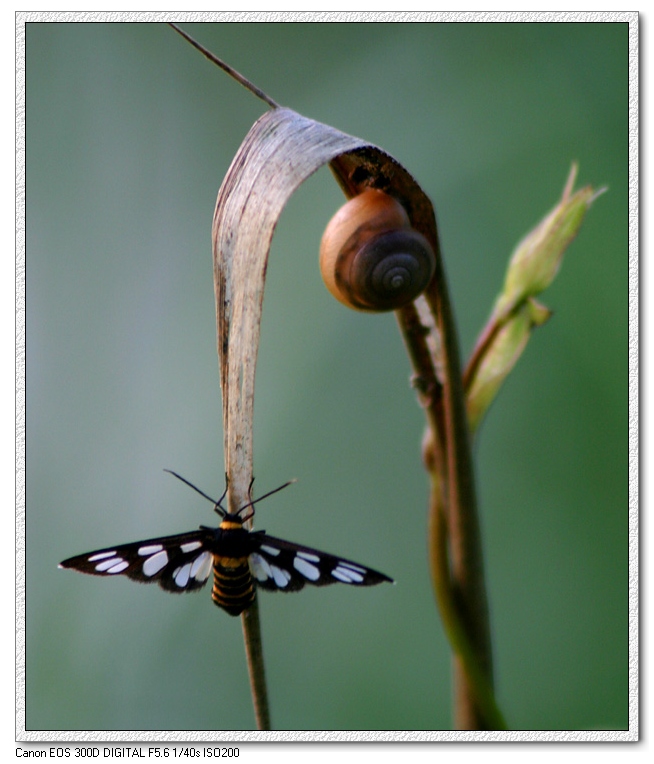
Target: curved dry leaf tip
x,y
281,150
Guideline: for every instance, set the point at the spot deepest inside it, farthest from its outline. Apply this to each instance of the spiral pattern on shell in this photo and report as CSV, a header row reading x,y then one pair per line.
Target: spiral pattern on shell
x,y
370,257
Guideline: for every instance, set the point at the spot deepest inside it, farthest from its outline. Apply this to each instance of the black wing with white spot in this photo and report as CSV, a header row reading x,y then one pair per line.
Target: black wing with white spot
x,y
282,566
180,563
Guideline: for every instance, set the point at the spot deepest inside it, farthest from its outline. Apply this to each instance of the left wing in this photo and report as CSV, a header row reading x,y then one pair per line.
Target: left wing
x,y
180,563
279,565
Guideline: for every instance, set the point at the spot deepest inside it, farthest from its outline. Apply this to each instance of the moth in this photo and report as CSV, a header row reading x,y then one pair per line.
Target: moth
x,y
241,560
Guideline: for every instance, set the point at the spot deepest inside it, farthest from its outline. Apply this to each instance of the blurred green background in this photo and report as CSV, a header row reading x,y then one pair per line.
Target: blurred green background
x,y
129,134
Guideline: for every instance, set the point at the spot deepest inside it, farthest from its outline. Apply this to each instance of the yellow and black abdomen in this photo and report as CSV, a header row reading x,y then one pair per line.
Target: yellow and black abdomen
x,y
233,586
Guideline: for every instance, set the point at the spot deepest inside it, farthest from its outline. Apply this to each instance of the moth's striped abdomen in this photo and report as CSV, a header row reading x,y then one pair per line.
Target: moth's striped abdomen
x,y
233,589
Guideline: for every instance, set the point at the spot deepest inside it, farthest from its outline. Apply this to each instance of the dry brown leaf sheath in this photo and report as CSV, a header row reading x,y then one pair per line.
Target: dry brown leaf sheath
x,y
281,150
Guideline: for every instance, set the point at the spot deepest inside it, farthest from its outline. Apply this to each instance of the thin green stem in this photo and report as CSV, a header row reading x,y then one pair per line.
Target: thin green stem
x,y
481,346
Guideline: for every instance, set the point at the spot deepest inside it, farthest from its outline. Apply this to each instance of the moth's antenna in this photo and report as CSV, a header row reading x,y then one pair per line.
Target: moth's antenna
x,y
195,488
217,504
261,498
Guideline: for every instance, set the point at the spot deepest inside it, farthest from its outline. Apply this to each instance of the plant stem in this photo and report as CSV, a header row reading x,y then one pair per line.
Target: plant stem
x,y
453,529
254,654
466,658
466,557
481,346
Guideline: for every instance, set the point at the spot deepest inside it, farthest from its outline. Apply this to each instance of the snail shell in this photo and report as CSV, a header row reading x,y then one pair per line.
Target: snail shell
x,y
370,257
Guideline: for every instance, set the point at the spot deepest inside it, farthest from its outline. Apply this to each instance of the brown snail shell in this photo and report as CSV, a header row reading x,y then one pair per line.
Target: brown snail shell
x,y
370,257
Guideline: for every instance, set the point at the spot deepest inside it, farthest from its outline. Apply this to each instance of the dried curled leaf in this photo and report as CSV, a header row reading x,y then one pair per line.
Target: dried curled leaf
x,y
281,150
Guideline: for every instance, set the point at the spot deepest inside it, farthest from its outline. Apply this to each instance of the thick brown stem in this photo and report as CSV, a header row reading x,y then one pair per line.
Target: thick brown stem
x,y
465,549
